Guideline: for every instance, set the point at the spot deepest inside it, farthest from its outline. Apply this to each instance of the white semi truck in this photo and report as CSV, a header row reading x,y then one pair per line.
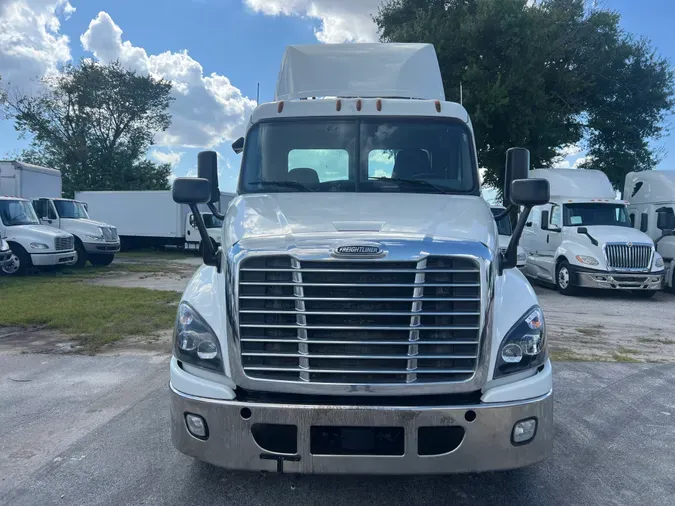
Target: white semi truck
x,y
360,316
94,241
583,238
651,209
152,218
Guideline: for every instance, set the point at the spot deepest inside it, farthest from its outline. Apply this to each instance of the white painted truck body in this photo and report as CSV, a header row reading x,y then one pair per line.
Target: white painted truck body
x,y
647,193
28,181
278,379
149,215
32,244
609,255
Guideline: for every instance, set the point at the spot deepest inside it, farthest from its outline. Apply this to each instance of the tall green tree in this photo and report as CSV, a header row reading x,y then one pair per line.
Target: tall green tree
x,y
95,122
544,76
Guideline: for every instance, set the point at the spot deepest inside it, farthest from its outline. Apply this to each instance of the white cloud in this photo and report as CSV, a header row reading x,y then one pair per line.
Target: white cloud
x,y
30,43
208,109
341,21
170,157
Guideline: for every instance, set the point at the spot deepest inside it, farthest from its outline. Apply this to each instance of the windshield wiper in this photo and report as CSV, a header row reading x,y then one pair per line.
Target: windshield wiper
x,y
418,182
282,184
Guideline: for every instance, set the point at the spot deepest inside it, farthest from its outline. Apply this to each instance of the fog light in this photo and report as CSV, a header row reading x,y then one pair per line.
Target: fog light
x,y
196,426
524,431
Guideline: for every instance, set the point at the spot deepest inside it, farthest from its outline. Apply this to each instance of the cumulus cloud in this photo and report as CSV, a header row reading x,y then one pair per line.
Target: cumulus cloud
x,y
208,109
170,157
30,43
341,21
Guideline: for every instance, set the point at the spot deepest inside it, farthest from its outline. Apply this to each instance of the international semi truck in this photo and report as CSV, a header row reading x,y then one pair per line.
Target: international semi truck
x,y
360,315
94,241
152,219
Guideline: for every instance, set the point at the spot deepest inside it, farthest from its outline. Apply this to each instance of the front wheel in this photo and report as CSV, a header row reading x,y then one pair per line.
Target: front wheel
x,y
644,294
563,279
101,260
19,262
81,257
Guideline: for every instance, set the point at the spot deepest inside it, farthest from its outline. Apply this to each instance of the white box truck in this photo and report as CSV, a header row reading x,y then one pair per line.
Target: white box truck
x,y
152,218
583,238
94,241
360,316
651,209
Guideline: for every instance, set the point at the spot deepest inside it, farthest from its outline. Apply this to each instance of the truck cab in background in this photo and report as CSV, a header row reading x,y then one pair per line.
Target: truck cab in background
x,y
583,238
651,209
94,241
360,316
31,243
505,231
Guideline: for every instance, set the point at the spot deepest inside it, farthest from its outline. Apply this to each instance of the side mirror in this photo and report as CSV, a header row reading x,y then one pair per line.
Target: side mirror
x,y
545,219
517,167
238,145
191,191
207,168
584,231
665,220
530,192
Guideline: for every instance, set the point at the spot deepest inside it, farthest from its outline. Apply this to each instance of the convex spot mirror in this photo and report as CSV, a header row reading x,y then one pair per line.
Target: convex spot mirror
x,y
191,190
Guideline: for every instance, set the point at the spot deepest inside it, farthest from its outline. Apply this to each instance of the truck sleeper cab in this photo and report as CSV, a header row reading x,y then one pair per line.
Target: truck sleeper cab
x,y
583,238
360,316
32,244
95,241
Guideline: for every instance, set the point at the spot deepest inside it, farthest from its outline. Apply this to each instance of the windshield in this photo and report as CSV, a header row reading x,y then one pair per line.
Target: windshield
x,y
387,155
211,221
17,212
578,215
503,225
71,209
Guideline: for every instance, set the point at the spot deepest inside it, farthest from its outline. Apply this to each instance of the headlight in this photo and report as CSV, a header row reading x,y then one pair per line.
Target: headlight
x,y
39,245
522,257
194,341
524,347
658,261
583,259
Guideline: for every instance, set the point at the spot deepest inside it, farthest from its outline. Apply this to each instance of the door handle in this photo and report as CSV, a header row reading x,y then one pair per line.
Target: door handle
x,y
547,236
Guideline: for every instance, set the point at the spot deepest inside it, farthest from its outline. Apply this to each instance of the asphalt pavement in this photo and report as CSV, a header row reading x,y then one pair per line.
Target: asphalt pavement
x,y
95,431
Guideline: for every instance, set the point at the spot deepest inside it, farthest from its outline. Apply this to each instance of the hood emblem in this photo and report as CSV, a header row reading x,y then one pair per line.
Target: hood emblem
x,y
629,244
358,250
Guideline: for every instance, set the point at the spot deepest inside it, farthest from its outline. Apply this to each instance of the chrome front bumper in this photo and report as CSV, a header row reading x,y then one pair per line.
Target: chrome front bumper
x,y
620,281
486,444
46,259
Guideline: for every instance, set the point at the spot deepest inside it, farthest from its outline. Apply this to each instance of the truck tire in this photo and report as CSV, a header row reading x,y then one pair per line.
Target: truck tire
x,y
101,260
81,259
563,279
19,263
644,294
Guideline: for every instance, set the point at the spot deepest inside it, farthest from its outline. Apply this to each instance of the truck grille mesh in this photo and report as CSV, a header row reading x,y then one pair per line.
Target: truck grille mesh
x,y
64,243
360,322
623,256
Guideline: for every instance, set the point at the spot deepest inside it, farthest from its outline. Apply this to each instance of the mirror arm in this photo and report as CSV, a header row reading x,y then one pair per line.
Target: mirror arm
x,y
505,212
509,259
210,255
215,211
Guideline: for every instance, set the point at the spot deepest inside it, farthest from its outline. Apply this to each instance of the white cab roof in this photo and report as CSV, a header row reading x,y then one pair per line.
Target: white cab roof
x,y
657,186
376,70
576,183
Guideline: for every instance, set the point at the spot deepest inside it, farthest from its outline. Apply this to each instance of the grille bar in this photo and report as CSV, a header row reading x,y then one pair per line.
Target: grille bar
x,y
633,257
365,322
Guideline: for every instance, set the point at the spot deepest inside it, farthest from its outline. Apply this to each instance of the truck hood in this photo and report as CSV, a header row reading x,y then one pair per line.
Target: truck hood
x,y
607,234
42,230
295,216
84,223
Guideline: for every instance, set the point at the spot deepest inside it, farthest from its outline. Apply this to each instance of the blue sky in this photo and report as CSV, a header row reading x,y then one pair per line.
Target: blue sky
x,y
231,46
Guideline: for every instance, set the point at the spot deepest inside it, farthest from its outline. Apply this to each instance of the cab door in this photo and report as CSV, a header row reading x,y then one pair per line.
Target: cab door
x,y
46,213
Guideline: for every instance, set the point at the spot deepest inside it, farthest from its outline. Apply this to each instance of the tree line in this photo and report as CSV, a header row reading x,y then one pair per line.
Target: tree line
x,y
542,75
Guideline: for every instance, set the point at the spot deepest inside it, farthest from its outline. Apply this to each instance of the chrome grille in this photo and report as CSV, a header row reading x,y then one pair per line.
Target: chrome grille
x,y
64,243
629,257
353,322
109,234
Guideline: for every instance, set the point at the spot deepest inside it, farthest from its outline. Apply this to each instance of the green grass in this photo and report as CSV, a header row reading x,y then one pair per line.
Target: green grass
x,y
95,315
591,331
627,351
151,254
619,357
566,355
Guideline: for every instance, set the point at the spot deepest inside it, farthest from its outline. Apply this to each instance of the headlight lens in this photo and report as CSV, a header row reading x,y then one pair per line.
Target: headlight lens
x,y
522,256
583,259
39,245
524,347
658,261
194,341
